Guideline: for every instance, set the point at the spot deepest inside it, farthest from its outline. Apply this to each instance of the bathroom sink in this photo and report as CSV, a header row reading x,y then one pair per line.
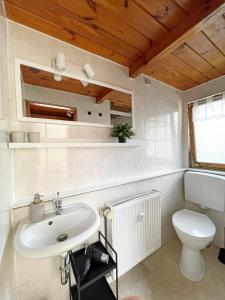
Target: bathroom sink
x,y
56,234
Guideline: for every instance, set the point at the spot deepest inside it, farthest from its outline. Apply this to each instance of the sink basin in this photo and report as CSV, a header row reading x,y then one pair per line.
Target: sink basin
x,y
56,234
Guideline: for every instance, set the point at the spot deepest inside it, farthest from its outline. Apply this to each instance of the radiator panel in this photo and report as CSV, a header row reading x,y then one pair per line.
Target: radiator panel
x,y
136,229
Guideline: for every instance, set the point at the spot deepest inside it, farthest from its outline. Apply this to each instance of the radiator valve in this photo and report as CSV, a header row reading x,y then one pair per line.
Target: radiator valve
x,y
108,213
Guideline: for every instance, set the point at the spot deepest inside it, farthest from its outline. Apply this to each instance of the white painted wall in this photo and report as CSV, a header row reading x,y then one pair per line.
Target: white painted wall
x,y
84,104
158,120
210,88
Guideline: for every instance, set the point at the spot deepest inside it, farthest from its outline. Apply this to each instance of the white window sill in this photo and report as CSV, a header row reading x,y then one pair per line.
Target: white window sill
x,y
222,173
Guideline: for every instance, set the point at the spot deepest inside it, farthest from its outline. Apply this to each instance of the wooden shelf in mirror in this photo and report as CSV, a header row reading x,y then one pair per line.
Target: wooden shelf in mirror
x,y
50,111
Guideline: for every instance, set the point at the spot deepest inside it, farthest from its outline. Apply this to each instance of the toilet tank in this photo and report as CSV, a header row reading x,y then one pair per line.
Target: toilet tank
x,y
205,189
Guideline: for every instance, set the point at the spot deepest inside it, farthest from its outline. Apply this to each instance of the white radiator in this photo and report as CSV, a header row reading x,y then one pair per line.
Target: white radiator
x,y
136,228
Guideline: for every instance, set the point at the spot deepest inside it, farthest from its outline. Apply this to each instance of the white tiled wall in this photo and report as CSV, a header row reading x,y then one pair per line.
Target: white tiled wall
x,y
44,281
6,251
157,121
5,163
157,110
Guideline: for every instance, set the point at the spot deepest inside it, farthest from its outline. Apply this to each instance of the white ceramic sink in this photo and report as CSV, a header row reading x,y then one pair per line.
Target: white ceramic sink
x,y
39,240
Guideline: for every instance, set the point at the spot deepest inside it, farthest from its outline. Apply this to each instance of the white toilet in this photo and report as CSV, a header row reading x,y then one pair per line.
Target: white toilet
x,y
195,230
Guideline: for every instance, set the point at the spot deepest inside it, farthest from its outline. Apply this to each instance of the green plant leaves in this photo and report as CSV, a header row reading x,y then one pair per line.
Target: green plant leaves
x,y
122,130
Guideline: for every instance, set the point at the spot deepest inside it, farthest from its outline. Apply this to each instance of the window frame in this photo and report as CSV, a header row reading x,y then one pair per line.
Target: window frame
x,y
194,162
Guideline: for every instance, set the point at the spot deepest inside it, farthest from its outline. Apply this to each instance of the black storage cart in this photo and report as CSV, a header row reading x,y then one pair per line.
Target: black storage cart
x,y
94,286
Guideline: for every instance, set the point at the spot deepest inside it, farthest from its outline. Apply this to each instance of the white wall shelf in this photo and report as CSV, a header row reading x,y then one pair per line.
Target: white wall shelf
x,y
120,113
72,145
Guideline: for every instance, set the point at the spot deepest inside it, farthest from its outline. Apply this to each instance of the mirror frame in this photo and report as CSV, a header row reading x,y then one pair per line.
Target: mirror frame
x,y
77,74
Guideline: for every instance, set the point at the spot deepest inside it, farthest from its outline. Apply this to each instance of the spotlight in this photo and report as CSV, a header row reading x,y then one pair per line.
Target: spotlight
x,y
60,62
59,65
88,71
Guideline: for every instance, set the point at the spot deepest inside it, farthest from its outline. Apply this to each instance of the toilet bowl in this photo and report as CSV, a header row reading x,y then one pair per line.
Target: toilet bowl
x,y
196,231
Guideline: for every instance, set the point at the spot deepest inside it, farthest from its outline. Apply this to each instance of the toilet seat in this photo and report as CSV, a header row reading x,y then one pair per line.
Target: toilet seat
x,y
194,224
195,231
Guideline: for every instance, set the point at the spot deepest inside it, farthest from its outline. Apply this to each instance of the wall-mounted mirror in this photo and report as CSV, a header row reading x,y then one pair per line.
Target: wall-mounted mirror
x,y
43,96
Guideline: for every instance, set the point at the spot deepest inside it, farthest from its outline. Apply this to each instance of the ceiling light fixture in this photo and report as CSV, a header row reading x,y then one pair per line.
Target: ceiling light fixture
x,y
60,62
60,65
88,72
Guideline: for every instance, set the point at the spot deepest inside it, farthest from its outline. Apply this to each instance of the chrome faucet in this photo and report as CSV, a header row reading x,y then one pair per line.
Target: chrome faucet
x,y
58,205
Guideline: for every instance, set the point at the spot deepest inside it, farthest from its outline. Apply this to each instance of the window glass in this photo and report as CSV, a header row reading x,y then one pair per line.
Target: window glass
x,y
209,130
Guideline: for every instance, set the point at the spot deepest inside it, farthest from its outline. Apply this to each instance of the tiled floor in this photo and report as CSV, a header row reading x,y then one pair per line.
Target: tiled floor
x,y
158,277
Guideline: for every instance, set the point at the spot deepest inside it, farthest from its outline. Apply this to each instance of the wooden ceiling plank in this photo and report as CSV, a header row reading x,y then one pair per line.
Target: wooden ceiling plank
x,y
199,19
46,79
163,68
166,12
185,69
206,49
136,17
167,79
98,16
188,55
103,93
188,5
120,100
216,33
62,17
28,19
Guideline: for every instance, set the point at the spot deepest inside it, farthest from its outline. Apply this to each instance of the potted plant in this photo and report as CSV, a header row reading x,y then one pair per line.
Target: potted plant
x,y
122,132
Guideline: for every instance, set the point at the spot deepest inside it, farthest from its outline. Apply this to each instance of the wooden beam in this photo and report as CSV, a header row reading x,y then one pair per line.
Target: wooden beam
x,y
101,96
200,18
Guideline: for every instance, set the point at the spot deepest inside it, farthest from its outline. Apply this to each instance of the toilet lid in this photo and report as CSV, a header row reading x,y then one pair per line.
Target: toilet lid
x,y
193,223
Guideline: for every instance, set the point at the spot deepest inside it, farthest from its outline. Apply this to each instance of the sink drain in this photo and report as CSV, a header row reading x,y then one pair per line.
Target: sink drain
x,y
62,237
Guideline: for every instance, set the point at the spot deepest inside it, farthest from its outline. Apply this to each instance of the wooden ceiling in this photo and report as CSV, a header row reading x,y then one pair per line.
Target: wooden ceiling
x,y
119,101
179,42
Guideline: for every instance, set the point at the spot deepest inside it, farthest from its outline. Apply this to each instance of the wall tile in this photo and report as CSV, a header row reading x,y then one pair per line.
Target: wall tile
x,y
58,160
25,187
63,170
29,162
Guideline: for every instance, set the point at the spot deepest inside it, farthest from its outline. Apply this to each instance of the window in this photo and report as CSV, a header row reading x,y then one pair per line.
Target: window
x,y
207,132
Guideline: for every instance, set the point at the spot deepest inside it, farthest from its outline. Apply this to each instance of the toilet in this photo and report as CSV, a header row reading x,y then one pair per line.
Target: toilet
x,y
195,230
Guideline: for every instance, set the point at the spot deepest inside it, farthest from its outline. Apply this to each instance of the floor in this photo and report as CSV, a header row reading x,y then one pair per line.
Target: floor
x,y
158,277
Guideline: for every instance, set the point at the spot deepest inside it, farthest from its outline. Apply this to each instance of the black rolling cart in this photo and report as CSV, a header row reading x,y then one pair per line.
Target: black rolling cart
x,y
94,286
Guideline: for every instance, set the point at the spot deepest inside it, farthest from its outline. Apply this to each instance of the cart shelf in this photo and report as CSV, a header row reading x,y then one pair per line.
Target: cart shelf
x,y
100,290
97,270
94,286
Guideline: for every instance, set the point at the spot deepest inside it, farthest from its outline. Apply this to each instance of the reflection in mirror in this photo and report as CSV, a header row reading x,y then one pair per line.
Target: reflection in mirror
x,y
46,96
